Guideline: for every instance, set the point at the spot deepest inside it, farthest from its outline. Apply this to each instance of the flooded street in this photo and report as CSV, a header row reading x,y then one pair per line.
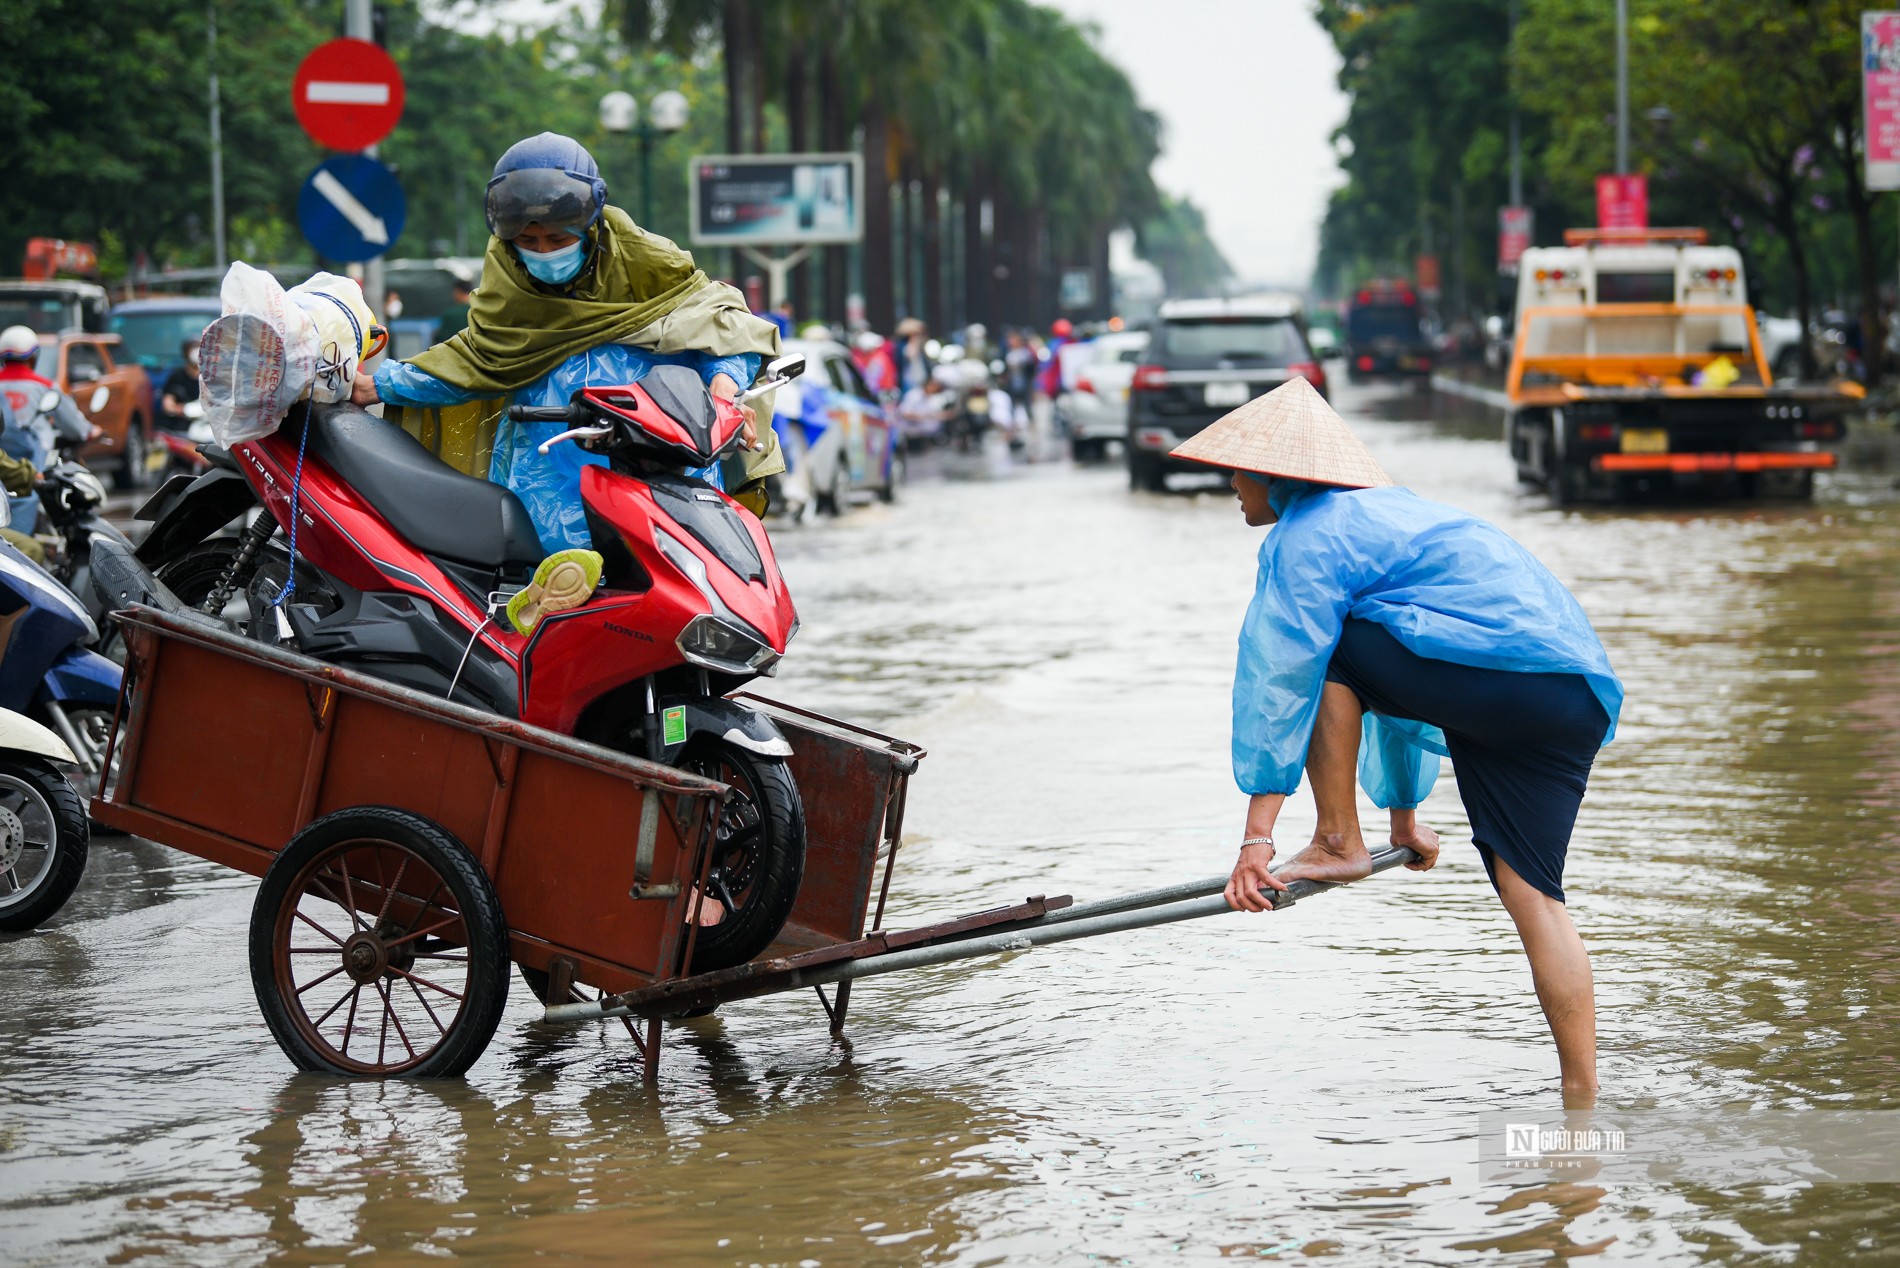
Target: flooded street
x,y
1305,1084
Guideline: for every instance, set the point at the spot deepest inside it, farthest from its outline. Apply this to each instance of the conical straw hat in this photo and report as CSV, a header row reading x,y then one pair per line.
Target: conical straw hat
x,y
1290,431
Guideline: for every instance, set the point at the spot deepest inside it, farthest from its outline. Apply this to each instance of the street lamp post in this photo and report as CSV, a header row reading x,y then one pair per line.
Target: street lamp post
x,y
666,114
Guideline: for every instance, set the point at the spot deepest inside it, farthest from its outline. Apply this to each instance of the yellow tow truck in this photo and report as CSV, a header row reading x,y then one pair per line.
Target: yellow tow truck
x,y
1637,367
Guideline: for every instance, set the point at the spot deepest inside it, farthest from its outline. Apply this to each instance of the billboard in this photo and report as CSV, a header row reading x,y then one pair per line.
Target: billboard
x,y
777,199
1880,96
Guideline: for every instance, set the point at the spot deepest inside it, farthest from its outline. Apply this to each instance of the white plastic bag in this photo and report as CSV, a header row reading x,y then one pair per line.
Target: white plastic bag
x,y
273,347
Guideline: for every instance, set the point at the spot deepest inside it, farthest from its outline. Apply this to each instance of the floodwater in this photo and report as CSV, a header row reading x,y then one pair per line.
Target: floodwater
x,y
1301,1085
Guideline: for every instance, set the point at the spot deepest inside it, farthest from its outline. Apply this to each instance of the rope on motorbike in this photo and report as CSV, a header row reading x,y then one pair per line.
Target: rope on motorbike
x,y
296,490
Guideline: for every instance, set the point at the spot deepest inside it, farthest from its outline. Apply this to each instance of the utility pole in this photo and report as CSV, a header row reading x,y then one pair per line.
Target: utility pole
x,y
1517,135
1622,86
217,136
359,24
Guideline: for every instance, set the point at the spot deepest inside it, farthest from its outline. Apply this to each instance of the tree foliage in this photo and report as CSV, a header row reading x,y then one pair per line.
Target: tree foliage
x,y
1002,146
1745,114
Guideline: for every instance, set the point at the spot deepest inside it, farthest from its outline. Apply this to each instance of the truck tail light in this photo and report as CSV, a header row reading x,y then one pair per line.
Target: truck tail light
x,y
1365,363
1599,433
1149,378
1829,429
1310,371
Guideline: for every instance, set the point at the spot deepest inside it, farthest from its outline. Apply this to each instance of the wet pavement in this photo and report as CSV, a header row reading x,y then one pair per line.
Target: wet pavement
x,y
1300,1085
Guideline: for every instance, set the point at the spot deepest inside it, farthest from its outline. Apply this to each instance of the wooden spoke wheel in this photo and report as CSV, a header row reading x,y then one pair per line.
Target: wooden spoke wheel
x,y
378,948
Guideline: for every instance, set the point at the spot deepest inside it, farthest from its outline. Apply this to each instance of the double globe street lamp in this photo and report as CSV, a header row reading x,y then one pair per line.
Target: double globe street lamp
x,y
666,114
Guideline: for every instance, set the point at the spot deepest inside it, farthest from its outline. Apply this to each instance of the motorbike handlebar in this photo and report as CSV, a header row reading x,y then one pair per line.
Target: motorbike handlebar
x,y
540,413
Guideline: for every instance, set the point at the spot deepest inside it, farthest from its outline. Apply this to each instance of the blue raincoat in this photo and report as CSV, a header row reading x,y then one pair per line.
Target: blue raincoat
x,y
1447,585
549,485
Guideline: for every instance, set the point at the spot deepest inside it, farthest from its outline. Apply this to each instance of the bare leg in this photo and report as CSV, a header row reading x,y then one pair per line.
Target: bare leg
x,y
1560,968
1338,851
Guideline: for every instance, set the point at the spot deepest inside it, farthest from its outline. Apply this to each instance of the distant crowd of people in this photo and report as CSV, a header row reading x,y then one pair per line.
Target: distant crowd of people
x,y
926,377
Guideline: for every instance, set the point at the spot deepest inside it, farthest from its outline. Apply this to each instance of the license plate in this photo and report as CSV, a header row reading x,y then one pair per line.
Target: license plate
x,y
1645,440
1227,394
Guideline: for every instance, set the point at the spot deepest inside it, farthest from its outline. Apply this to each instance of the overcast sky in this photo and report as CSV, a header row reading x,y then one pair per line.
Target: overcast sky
x,y
1248,92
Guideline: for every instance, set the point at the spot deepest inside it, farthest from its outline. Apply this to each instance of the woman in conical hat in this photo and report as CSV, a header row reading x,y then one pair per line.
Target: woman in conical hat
x,y
1386,622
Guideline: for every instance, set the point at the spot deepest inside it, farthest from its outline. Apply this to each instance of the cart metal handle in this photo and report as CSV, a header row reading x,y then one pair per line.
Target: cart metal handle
x,y
1131,911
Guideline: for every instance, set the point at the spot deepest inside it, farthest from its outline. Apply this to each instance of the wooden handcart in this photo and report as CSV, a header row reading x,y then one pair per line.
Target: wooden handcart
x,y
411,848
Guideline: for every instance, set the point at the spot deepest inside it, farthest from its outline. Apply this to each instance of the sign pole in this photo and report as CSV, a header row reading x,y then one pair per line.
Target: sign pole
x,y
777,268
217,136
359,23
1622,86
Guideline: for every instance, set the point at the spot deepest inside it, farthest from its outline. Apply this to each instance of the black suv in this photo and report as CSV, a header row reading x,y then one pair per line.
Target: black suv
x,y
1206,357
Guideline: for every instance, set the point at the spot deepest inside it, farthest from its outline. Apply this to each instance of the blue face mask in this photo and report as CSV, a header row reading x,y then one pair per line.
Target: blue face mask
x,y
554,267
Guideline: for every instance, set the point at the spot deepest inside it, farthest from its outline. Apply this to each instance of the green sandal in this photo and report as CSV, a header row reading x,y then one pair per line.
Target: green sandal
x,y
565,579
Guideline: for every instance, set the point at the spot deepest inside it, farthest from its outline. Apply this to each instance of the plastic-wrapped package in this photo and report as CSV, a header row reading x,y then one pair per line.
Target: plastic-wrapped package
x,y
273,347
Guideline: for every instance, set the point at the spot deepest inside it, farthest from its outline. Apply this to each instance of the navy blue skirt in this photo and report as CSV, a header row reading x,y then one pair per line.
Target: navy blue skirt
x,y
1521,744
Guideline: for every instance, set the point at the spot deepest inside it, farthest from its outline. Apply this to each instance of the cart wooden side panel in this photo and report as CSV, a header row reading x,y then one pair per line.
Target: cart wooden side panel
x,y
226,747
853,784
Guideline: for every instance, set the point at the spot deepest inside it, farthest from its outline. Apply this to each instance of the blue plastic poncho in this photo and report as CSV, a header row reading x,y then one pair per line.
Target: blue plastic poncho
x,y
549,484
1447,585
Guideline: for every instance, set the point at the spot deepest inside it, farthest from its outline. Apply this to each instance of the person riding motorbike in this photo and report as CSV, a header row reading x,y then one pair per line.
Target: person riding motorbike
x,y
573,294
181,388
28,436
21,388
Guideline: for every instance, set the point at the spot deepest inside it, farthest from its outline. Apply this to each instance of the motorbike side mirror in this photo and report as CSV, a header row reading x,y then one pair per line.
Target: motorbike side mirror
x,y
786,367
49,401
101,397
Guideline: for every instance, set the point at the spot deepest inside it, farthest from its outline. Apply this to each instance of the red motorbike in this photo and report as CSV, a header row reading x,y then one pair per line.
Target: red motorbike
x,y
403,566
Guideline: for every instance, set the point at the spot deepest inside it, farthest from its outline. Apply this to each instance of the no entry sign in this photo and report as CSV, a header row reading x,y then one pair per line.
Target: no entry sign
x,y
347,94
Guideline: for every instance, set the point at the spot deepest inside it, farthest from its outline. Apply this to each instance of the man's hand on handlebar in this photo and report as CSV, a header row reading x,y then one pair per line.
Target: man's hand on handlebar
x,y
725,389
363,390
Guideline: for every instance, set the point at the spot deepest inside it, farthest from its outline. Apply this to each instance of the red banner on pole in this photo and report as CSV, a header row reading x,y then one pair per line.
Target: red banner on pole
x,y
1623,201
1880,96
1514,237
1428,276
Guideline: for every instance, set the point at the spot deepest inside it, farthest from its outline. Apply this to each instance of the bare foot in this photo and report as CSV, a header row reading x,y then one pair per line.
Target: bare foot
x,y
1335,857
704,911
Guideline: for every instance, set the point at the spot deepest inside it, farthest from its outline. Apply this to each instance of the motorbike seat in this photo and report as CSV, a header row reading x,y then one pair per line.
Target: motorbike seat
x,y
436,508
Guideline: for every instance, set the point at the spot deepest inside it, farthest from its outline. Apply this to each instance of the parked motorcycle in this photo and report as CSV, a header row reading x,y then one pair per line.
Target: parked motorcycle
x,y
63,512
72,499
43,829
403,566
183,445
47,671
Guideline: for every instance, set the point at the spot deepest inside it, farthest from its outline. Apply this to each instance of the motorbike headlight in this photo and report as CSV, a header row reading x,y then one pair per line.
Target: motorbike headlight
x,y
712,644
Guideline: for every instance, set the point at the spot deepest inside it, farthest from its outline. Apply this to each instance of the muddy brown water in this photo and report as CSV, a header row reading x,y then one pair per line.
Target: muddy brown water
x,y
1301,1085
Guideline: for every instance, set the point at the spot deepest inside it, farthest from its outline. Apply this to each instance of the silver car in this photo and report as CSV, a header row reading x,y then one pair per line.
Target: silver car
x,y
1095,407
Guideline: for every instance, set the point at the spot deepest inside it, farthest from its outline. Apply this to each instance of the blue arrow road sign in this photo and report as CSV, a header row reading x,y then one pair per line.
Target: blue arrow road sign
x,y
351,208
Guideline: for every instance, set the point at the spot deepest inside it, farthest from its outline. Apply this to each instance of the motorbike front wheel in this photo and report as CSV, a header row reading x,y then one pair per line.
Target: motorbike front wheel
x,y
43,842
758,852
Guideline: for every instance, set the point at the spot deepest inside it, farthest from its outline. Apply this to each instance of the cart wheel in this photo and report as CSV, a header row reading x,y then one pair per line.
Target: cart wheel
x,y
43,842
378,948
758,852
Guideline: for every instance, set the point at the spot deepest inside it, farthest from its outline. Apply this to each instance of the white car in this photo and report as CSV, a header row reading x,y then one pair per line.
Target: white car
x,y
837,436
1096,405
1780,344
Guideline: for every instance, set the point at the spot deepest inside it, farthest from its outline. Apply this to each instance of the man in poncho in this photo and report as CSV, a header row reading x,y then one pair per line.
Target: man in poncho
x,y
572,294
1425,632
